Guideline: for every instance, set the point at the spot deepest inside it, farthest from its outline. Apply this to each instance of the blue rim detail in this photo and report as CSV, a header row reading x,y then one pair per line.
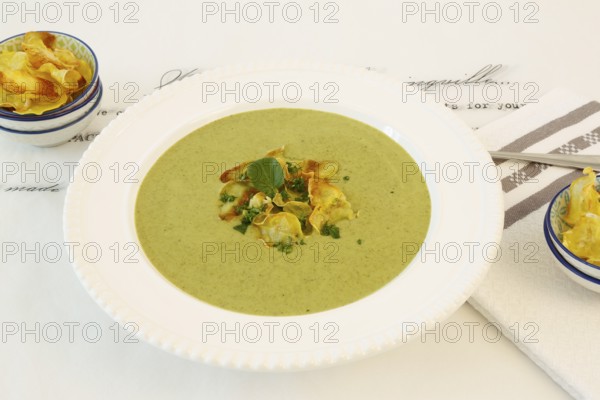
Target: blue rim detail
x,y
91,110
553,235
50,114
85,103
562,260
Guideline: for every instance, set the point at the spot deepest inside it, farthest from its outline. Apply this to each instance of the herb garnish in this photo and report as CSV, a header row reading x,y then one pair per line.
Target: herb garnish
x,y
227,198
248,214
330,230
266,175
285,247
292,168
303,197
298,185
264,189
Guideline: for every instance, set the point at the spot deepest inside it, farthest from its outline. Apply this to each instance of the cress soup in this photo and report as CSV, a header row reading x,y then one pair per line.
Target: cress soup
x,y
323,266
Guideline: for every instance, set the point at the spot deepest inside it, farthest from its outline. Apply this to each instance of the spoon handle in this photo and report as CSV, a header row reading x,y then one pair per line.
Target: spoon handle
x,y
560,160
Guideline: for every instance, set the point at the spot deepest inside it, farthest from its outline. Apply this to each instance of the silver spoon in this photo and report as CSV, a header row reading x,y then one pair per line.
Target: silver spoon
x,y
561,160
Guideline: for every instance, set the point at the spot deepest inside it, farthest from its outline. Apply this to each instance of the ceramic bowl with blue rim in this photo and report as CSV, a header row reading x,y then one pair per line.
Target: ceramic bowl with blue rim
x,y
556,224
54,127
57,120
588,282
59,135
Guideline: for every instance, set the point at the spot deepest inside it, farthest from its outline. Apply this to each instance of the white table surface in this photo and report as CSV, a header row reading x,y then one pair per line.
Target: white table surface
x,y
172,35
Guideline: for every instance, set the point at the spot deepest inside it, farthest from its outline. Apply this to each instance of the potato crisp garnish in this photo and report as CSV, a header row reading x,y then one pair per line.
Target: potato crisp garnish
x,y
282,201
583,216
41,77
584,238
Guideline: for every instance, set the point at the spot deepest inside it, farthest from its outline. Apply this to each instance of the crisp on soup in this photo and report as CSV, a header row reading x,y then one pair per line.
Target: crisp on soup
x,y
282,212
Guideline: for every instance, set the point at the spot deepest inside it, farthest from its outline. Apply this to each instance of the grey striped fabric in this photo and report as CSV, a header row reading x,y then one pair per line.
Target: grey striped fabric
x,y
532,170
553,127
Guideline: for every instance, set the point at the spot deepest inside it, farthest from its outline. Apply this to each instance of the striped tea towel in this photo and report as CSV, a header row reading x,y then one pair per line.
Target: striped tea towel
x,y
553,320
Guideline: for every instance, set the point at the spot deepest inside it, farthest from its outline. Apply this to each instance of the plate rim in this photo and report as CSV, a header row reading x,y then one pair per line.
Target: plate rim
x,y
148,333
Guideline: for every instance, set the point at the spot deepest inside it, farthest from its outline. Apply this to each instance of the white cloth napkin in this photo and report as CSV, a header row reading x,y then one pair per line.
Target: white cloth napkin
x,y
551,319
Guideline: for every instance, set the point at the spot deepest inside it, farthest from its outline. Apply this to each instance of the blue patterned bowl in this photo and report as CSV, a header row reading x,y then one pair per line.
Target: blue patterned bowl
x,y
556,224
58,135
565,266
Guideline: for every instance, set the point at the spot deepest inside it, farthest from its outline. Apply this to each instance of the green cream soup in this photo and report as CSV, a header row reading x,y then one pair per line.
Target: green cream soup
x,y
177,222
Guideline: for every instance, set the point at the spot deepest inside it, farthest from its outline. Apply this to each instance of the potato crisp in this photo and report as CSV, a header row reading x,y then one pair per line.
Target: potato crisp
x,y
583,239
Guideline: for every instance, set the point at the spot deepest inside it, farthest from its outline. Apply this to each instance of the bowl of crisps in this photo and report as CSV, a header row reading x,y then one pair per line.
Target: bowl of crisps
x,y
48,80
573,223
567,268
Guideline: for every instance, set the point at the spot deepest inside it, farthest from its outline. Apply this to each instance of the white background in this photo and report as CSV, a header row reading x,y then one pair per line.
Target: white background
x,y
558,50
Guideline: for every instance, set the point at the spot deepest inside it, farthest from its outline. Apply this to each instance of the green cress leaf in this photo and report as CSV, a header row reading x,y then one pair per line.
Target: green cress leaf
x,y
266,175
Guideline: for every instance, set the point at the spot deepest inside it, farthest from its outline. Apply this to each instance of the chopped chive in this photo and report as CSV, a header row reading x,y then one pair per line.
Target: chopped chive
x,y
227,198
303,198
249,215
285,247
330,230
292,168
298,184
